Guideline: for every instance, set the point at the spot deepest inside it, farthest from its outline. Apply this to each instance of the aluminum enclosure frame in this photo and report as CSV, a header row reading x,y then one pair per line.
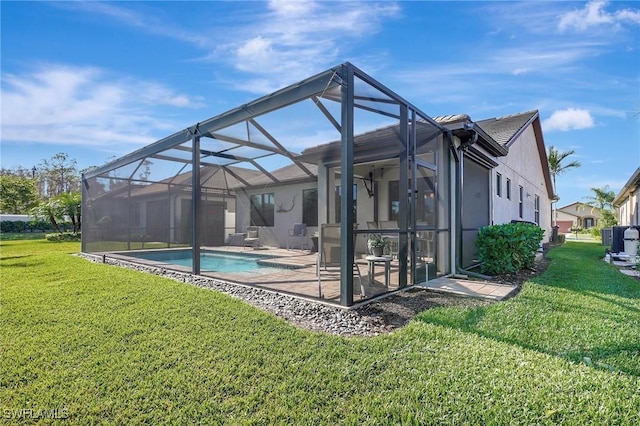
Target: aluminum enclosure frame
x,y
337,83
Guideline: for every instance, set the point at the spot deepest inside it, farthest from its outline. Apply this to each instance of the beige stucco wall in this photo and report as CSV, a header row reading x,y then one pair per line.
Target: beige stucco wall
x,y
523,167
277,235
629,210
580,210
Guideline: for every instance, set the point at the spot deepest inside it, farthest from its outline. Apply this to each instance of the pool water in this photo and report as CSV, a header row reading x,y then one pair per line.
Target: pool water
x,y
211,261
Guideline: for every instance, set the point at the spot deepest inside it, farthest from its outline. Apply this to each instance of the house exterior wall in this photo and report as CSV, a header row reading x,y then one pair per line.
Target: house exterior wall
x,y
629,210
277,235
566,221
580,214
15,217
522,168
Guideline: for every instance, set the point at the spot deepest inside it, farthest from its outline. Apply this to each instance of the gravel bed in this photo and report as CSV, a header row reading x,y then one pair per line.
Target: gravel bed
x,y
374,318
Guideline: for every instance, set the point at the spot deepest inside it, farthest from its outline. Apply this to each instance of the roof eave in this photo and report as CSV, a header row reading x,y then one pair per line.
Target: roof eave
x,y
631,185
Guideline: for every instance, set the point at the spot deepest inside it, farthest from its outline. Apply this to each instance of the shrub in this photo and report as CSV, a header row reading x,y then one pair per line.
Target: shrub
x,y
63,236
561,238
20,226
40,225
508,248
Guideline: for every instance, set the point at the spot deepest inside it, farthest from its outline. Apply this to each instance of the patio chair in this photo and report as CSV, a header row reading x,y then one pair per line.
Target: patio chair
x,y
388,224
298,232
372,224
392,239
253,238
329,254
424,245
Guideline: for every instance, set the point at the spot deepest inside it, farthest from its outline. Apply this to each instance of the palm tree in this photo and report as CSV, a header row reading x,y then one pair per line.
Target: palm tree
x,y
555,158
602,200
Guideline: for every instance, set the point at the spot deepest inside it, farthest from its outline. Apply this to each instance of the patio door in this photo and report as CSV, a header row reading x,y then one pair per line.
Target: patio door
x,y
423,223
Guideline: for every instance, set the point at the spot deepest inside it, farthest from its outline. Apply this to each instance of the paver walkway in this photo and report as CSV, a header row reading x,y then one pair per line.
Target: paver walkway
x,y
481,289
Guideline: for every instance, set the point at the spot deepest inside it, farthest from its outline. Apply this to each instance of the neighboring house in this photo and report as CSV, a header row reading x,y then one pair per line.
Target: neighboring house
x,y
628,201
517,178
15,217
430,184
576,215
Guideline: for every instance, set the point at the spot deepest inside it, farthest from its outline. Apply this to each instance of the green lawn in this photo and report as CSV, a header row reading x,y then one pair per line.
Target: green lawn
x,y
102,344
8,236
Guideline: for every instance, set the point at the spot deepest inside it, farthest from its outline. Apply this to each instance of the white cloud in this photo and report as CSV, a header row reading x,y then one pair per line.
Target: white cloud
x,y
593,15
296,39
568,119
84,106
285,42
290,8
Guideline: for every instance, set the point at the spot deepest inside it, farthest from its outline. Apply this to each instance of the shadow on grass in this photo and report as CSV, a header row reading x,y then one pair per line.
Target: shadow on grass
x,y
21,264
580,309
5,258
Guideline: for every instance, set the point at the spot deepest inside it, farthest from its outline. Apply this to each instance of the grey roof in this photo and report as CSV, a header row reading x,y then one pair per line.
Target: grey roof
x,y
504,129
632,184
212,178
285,174
450,119
372,145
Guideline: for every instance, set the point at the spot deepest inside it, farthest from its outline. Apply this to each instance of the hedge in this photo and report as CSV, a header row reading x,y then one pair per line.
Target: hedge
x,y
20,226
64,236
508,248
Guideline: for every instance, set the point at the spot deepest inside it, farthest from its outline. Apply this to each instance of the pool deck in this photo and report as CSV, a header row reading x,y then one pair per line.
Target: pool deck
x,y
299,277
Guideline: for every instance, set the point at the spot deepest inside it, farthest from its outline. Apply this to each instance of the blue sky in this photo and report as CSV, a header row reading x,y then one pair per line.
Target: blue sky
x,y
98,80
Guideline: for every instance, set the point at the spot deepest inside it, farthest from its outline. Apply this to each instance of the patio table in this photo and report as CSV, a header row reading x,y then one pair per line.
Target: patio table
x,y
371,260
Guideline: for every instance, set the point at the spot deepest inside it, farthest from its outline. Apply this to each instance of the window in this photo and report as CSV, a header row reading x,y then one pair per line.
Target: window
x,y
508,189
498,184
394,199
136,214
536,209
520,201
262,208
339,200
310,207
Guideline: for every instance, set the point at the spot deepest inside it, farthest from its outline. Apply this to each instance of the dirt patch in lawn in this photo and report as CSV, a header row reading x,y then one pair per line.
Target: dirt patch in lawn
x,y
394,311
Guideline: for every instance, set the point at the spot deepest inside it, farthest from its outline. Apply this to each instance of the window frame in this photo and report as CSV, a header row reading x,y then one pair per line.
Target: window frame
x,y
508,189
310,212
520,201
338,206
262,211
536,209
499,184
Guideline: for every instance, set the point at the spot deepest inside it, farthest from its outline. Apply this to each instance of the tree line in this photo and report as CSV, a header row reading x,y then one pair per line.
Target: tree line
x,y
601,199
49,191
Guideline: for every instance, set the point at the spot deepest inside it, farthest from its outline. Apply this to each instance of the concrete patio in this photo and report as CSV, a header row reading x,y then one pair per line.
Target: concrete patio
x,y
297,275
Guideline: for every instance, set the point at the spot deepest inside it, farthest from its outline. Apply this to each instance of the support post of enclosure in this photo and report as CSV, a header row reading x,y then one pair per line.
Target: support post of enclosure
x,y
405,198
195,204
346,187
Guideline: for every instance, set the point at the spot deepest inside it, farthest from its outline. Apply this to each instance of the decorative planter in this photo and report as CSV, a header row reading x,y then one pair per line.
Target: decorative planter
x,y
375,249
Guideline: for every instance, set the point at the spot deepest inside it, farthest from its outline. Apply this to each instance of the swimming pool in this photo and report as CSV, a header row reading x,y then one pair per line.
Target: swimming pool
x,y
213,261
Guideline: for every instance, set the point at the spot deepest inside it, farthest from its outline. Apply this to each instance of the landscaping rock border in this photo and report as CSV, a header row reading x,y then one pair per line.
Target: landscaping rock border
x,y
379,316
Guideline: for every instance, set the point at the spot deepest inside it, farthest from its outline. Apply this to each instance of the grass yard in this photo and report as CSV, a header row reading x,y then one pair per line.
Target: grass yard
x,y
12,236
92,343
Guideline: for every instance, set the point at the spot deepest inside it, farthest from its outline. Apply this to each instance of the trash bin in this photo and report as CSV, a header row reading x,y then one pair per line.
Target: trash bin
x,y
554,233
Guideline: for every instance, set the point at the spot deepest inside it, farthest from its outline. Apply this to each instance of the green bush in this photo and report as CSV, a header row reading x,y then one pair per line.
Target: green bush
x,y
63,236
561,238
12,226
508,248
16,226
40,225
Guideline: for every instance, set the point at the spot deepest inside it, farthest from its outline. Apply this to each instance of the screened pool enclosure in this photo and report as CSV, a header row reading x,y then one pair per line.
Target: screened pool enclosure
x,y
299,180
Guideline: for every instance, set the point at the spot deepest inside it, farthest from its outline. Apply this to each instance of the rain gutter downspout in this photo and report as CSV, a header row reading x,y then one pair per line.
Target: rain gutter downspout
x,y
460,271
